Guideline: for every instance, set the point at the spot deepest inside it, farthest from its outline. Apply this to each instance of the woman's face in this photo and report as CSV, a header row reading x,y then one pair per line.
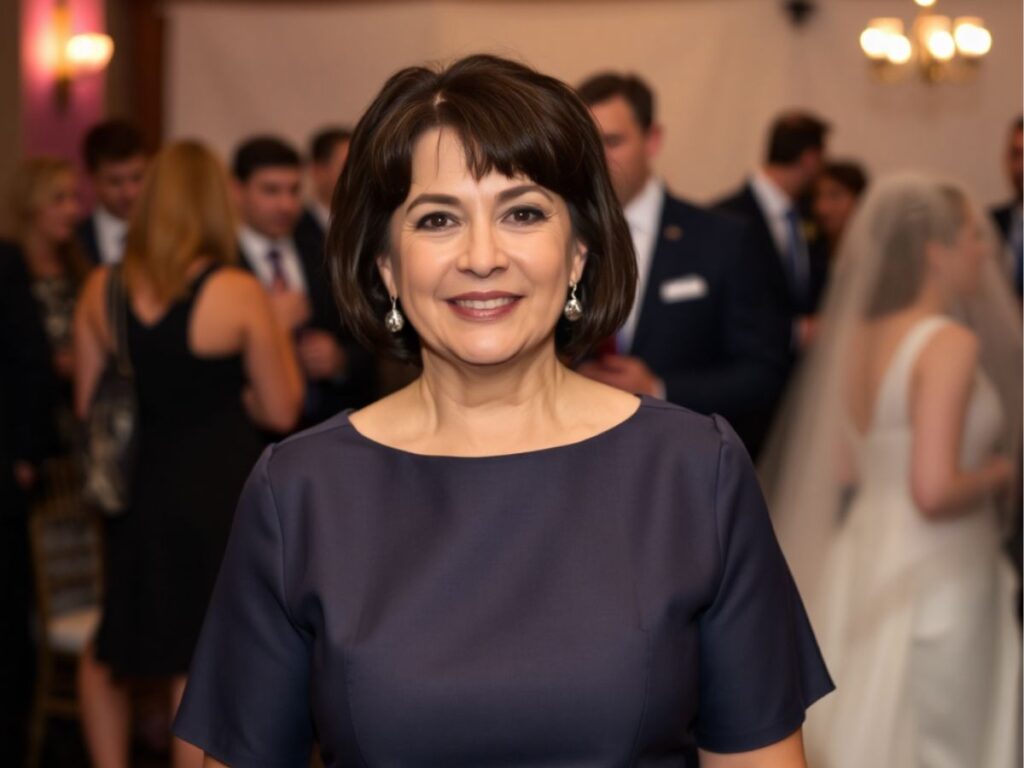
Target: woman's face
x,y
961,261
58,210
833,206
481,268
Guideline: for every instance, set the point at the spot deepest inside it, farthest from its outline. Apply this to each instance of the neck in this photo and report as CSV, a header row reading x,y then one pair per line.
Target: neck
x,y
481,403
325,199
932,299
785,178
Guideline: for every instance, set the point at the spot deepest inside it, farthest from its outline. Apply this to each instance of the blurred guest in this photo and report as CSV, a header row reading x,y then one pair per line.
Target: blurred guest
x,y
770,202
1008,217
836,192
44,210
210,363
699,333
327,153
267,183
504,563
115,158
912,398
26,387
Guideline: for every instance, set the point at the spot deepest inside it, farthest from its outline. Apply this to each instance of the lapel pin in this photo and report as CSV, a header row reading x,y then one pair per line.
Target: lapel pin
x,y
673,232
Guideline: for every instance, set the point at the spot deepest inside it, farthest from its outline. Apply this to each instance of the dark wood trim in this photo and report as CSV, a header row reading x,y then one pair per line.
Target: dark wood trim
x,y
147,87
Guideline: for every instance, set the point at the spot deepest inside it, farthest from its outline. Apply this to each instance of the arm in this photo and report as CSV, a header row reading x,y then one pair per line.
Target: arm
x,y
940,394
91,340
275,397
788,753
210,762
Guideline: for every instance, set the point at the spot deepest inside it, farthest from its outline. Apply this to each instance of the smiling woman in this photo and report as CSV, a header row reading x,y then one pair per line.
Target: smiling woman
x,y
504,563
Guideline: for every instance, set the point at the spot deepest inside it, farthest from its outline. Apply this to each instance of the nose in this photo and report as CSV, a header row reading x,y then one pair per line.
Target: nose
x,y
483,254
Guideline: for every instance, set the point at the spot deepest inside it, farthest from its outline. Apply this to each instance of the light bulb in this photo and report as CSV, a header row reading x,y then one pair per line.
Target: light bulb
x,y
925,3
89,52
874,43
972,39
898,49
941,45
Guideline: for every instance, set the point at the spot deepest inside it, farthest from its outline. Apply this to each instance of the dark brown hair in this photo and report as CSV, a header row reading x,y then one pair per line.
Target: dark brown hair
x,y
111,141
512,120
847,174
794,133
635,91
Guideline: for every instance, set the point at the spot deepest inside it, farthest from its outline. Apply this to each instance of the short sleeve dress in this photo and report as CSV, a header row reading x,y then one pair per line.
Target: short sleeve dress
x,y
617,601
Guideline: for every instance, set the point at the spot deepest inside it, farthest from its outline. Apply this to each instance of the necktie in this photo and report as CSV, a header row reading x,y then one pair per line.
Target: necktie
x,y
278,281
795,260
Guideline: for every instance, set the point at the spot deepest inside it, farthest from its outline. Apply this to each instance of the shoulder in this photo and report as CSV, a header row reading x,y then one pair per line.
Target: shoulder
x,y
737,200
690,436
952,347
236,279
319,451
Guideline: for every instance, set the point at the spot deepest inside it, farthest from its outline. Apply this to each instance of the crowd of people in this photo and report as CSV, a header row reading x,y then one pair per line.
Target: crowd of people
x,y
861,338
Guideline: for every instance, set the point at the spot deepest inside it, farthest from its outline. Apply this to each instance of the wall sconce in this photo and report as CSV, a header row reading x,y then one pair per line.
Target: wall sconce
x,y
943,48
76,55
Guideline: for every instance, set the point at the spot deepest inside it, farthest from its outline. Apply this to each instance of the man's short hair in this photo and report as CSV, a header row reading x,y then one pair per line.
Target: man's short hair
x,y
608,85
794,133
111,142
324,142
1018,124
263,152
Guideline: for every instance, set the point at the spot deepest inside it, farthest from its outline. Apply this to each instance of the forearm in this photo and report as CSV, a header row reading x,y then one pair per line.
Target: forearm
x,y
960,492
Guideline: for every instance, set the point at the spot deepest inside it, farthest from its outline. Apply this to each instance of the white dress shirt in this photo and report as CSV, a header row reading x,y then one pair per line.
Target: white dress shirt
x,y
255,249
110,232
643,214
775,204
321,213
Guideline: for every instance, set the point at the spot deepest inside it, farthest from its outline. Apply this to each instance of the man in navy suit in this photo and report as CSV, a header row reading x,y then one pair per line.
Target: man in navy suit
x,y
770,202
1008,217
700,334
115,158
328,151
267,185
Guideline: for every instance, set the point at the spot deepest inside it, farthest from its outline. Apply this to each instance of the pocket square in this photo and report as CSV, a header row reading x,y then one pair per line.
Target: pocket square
x,y
683,289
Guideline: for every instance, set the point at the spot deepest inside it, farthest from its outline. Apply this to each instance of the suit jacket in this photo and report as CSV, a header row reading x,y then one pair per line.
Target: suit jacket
x,y
358,386
309,230
86,233
27,381
744,205
1002,216
704,326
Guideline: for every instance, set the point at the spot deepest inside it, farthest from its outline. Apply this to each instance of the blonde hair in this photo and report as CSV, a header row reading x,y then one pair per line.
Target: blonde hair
x,y
184,214
33,182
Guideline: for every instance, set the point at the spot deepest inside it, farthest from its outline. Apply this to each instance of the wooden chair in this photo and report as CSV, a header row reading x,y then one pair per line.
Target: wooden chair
x,y
65,540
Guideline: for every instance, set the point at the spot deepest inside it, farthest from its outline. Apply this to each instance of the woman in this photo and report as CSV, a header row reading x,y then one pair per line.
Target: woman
x,y
504,562
885,493
44,209
836,194
202,340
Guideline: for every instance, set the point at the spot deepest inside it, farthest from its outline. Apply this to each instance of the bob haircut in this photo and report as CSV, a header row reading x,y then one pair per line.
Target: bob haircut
x,y
184,214
509,119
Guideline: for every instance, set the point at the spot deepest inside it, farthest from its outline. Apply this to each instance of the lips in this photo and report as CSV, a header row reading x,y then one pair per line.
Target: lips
x,y
483,306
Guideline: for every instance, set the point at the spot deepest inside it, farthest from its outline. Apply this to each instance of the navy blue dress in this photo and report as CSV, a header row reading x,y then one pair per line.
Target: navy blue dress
x,y
618,601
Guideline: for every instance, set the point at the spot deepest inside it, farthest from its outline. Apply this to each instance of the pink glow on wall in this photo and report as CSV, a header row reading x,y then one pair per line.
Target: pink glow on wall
x,y
48,127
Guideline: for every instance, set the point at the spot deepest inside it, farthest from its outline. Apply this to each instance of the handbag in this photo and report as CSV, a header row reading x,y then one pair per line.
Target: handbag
x,y
111,429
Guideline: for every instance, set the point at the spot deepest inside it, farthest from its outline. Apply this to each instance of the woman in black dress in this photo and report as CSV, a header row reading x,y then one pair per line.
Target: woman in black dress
x,y
210,363
503,563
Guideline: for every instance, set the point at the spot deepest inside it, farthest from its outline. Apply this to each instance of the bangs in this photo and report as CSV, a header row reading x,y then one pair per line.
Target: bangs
x,y
501,131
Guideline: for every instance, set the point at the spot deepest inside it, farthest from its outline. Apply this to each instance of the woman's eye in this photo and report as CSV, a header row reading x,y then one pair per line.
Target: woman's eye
x,y
435,221
526,215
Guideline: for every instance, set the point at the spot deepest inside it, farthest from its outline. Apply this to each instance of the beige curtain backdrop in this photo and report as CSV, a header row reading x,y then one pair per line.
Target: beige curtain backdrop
x,y
721,70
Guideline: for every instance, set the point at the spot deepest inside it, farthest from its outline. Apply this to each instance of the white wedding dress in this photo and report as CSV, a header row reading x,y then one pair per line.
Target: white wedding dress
x,y
916,618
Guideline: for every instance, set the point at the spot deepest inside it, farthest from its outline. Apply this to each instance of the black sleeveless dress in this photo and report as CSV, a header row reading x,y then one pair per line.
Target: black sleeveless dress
x,y
197,445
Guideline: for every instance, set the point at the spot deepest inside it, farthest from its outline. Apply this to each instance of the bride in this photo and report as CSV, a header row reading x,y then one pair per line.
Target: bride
x,y
886,481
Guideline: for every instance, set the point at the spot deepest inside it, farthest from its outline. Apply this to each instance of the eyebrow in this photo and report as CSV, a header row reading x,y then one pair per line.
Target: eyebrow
x,y
503,196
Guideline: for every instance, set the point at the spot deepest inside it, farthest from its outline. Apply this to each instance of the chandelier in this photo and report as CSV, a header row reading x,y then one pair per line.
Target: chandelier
x,y
938,47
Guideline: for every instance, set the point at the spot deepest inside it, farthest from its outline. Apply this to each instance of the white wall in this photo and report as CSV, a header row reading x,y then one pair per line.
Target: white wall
x,y
721,69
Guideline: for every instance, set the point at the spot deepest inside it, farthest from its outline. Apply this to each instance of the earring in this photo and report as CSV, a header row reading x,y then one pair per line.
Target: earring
x,y
573,308
393,320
